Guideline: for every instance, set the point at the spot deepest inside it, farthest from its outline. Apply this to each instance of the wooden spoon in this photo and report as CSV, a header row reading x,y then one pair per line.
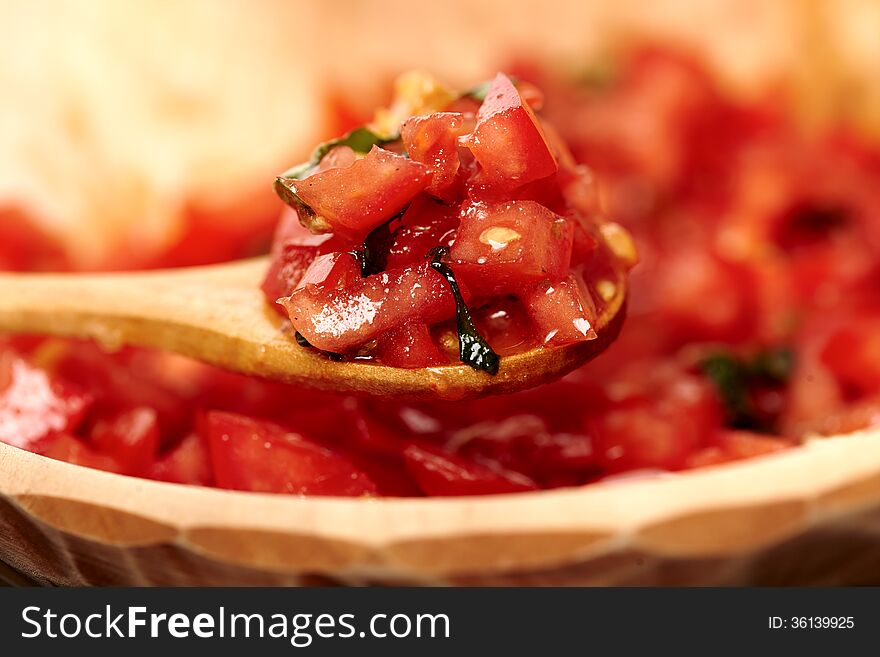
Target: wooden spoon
x,y
218,315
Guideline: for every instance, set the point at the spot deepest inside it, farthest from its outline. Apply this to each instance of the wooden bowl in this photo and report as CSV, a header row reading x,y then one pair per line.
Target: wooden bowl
x,y
808,516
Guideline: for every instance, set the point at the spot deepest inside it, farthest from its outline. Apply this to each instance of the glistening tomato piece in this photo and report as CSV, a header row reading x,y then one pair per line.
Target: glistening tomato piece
x,y
561,312
440,473
35,405
508,140
424,225
408,346
354,200
503,247
341,320
130,437
293,249
187,463
64,447
257,456
433,141
331,270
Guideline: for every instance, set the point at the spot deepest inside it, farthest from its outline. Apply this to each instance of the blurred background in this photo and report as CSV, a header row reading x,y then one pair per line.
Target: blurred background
x,y
137,134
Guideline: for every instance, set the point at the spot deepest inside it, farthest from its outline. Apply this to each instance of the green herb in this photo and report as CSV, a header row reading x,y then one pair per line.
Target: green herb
x,y
733,377
373,255
302,342
473,348
360,140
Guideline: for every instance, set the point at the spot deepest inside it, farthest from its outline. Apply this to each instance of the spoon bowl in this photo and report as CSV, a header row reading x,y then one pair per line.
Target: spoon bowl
x,y
218,314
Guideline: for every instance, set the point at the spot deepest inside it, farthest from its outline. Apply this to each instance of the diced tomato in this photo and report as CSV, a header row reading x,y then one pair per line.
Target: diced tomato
x,y
354,200
439,473
332,271
119,382
736,446
408,346
35,405
508,246
64,447
852,354
433,141
561,312
188,462
130,437
342,320
669,415
505,324
424,225
508,140
252,455
293,249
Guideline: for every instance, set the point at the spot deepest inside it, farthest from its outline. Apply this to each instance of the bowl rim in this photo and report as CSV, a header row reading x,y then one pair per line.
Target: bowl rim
x,y
703,513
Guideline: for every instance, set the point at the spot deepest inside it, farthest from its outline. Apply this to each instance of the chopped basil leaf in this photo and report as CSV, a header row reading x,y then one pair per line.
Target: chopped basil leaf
x,y
733,377
360,140
302,342
473,348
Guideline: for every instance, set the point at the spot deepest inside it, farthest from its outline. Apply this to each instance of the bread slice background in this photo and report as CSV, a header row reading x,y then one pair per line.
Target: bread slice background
x,y
117,119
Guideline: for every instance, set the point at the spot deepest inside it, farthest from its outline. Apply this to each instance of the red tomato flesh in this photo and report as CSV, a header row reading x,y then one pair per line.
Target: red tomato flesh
x,y
508,140
433,141
442,474
505,247
342,320
130,437
354,200
262,457
35,405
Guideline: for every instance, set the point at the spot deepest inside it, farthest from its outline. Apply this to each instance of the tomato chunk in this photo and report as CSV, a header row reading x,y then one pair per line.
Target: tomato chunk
x,y
424,225
439,473
187,463
252,455
409,346
35,405
562,312
64,447
852,354
293,249
508,246
341,320
332,270
433,141
508,141
354,200
130,437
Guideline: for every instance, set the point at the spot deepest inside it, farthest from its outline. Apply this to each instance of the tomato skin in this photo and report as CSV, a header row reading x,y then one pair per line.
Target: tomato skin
x,y
354,200
342,320
443,474
424,225
433,141
64,447
293,249
508,141
257,456
561,312
35,405
505,247
130,437
188,462
331,270
409,346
